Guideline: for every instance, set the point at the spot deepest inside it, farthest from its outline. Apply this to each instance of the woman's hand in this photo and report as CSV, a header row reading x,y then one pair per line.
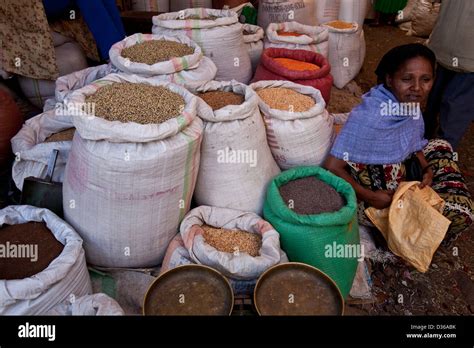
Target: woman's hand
x,y
380,199
427,178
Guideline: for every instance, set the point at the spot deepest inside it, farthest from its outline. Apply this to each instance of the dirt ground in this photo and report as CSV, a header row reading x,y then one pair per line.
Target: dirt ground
x,y
447,288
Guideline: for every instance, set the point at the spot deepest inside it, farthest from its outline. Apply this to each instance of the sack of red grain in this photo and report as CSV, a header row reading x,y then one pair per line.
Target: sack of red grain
x,y
297,36
299,66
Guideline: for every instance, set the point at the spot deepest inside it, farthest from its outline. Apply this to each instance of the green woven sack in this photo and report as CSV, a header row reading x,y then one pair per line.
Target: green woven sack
x,y
310,238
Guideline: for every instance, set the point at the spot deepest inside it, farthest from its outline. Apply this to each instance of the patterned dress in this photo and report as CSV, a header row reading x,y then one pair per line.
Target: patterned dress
x,y
448,182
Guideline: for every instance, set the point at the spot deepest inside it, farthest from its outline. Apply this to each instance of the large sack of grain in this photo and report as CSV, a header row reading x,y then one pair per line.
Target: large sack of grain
x,y
353,11
279,11
310,38
271,69
217,32
425,14
253,38
10,123
151,5
296,138
178,5
236,162
242,256
128,185
327,10
65,277
188,68
32,151
317,239
93,305
406,15
69,58
346,51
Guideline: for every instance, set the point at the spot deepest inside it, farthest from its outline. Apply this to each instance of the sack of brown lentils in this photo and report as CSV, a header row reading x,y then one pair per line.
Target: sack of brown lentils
x,y
176,59
65,277
217,32
297,36
236,162
253,38
35,141
299,129
132,168
238,244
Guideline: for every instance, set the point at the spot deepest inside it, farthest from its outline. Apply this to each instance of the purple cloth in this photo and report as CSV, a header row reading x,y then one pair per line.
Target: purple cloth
x,y
377,133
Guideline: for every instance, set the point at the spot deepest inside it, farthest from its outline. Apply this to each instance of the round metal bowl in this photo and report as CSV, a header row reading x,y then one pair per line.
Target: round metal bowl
x,y
295,288
189,290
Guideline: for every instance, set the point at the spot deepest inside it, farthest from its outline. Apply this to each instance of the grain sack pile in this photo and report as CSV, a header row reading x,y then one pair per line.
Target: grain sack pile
x,y
346,51
240,245
132,168
299,129
55,270
35,141
253,38
296,36
271,11
175,59
298,66
312,208
236,162
217,32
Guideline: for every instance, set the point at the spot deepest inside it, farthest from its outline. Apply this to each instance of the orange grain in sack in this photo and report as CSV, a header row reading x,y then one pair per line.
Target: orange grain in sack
x,y
340,24
288,33
296,65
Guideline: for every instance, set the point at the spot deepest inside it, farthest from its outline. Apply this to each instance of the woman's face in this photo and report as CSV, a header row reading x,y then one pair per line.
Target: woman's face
x,y
412,82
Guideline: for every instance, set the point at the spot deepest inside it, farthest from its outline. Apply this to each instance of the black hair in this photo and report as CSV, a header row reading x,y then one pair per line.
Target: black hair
x,y
393,59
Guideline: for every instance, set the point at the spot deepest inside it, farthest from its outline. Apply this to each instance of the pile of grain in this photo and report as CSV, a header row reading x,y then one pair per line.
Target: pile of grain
x,y
230,241
218,99
65,135
288,33
286,99
340,25
296,65
136,102
309,196
155,51
36,235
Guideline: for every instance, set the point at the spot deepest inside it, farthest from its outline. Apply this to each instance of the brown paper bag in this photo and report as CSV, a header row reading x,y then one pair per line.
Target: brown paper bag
x,y
413,225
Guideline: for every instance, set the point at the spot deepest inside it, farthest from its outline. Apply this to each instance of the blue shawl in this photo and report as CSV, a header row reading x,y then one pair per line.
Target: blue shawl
x,y
379,131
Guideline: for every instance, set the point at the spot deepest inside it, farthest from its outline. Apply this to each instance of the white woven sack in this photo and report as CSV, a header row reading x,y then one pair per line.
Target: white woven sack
x,y
220,39
314,38
178,5
254,43
236,265
406,14
127,186
172,66
93,305
424,16
346,53
236,162
297,138
278,11
353,11
327,10
32,153
66,277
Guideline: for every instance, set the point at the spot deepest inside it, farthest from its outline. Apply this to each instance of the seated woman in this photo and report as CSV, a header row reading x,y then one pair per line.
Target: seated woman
x,y
382,140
